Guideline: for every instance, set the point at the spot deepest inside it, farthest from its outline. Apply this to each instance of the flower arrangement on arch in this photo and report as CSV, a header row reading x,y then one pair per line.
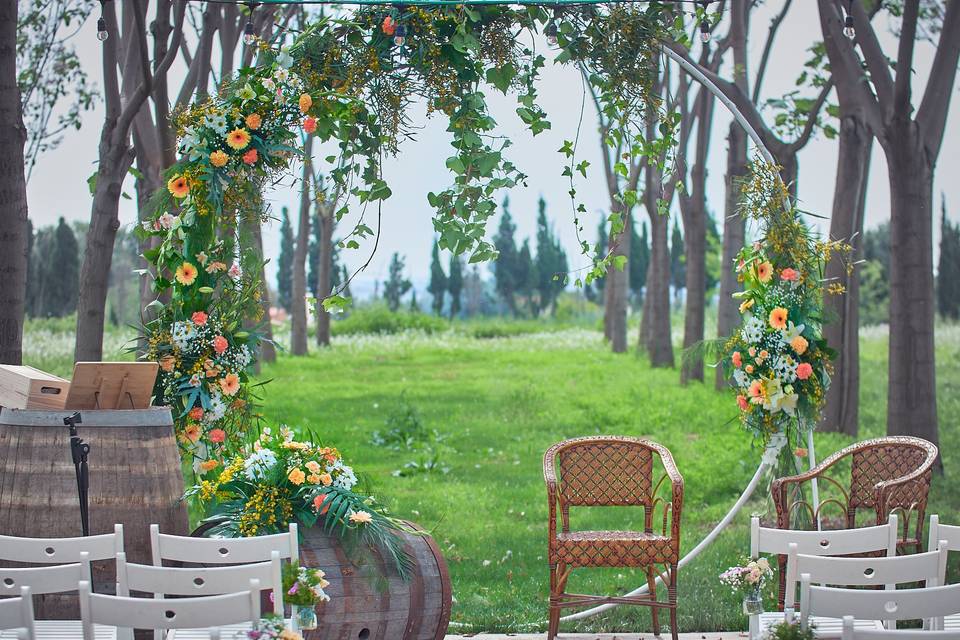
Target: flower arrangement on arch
x,y
260,489
777,360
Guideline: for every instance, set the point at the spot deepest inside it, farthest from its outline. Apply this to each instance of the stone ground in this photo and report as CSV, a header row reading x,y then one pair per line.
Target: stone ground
x,y
712,635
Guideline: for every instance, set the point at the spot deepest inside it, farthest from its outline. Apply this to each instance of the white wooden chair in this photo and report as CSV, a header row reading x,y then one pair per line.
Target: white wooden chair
x,y
59,578
62,550
208,612
232,551
199,582
851,633
17,614
928,603
765,540
950,534
929,568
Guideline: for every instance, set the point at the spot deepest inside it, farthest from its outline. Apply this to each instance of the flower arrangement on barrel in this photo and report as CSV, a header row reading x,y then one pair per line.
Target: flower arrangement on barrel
x,y
777,361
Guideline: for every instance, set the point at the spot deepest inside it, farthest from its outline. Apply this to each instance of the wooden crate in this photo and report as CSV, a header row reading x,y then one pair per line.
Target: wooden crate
x,y
23,387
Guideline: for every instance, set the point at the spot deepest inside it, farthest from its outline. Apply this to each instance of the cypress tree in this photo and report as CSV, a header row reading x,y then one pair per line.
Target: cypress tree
x,y
948,268
527,277
551,262
414,305
396,285
639,259
61,266
455,284
505,268
438,279
285,262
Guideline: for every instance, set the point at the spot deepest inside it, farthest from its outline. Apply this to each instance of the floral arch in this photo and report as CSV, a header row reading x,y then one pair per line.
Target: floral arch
x,y
350,80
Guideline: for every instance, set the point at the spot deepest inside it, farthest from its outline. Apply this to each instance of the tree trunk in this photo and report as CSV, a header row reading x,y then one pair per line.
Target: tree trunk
x,y
841,329
911,397
298,320
618,282
734,235
324,272
13,194
695,241
659,343
98,253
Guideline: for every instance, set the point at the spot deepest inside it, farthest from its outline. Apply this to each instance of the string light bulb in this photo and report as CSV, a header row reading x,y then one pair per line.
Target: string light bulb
x,y
705,23
102,33
400,35
249,37
848,29
550,31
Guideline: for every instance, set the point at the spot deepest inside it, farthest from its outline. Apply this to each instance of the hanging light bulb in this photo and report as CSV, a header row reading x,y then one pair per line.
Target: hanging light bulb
x,y
848,29
550,31
102,33
248,35
400,35
704,31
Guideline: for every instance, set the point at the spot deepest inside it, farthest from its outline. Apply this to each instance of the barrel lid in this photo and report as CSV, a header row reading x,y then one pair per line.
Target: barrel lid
x,y
151,417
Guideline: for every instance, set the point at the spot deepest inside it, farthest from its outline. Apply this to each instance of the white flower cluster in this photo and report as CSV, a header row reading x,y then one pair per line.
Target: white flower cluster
x,y
343,475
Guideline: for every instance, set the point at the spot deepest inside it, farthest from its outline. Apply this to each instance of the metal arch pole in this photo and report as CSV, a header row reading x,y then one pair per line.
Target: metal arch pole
x,y
699,76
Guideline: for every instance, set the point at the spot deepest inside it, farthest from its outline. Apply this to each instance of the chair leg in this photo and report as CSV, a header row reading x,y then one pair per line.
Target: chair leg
x,y
672,591
553,627
652,592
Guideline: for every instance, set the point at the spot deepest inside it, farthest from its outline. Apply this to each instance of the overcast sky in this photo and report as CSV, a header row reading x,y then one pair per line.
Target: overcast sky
x,y
58,186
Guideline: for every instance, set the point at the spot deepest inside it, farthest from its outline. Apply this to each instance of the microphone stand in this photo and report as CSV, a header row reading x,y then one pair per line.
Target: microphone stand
x,y
79,450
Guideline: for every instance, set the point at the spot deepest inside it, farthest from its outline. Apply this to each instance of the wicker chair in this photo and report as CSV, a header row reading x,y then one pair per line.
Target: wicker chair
x,y
887,475
612,471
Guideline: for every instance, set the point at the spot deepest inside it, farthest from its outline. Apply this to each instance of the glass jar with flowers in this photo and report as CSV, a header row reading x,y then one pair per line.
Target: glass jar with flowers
x,y
748,581
303,588
269,628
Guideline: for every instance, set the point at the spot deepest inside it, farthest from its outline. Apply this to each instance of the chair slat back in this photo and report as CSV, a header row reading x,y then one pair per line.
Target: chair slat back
x,y
179,613
824,543
929,568
850,633
223,550
605,472
199,581
59,578
948,533
17,613
62,550
870,604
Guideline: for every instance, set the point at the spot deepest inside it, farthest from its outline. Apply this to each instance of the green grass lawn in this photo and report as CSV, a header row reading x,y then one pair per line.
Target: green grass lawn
x,y
498,404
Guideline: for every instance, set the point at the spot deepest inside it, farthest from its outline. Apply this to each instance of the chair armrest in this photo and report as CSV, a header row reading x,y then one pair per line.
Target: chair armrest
x,y
552,510
676,485
884,488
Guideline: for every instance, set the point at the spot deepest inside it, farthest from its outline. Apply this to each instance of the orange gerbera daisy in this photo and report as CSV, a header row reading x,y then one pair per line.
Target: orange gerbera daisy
x,y
253,121
230,384
778,318
192,432
764,272
209,465
305,102
178,186
238,139
250,157
186,274
218,158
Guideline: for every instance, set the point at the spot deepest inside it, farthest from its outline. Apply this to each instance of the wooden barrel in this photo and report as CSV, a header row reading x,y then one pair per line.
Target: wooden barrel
x,y
372,602
135,480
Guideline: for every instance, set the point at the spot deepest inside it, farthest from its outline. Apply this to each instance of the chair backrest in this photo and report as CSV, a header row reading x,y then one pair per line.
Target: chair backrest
x,y
824,543
603,471
62,550
17,613
178,613
929,568
850,633
871,604
883,459
61,578
948,533
223,550
199,581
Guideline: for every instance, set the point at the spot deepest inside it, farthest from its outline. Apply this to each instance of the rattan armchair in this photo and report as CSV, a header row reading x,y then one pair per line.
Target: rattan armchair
x,y
612,471
887,475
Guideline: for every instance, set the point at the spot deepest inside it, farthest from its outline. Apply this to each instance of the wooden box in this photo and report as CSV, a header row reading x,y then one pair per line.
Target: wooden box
x,y
23,387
